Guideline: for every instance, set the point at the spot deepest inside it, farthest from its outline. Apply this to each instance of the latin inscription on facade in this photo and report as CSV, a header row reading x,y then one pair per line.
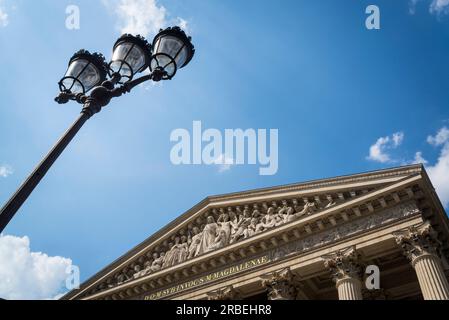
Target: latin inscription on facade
x,y
209,277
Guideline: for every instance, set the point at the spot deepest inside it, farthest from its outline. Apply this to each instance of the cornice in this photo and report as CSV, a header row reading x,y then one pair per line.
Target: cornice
x,y
319,183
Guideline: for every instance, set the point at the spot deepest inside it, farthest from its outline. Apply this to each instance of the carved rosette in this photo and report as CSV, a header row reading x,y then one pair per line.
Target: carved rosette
x,y
343,264
280,285
418,241
226,293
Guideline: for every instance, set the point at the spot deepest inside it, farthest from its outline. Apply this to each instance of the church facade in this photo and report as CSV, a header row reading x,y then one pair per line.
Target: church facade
x,y
305,241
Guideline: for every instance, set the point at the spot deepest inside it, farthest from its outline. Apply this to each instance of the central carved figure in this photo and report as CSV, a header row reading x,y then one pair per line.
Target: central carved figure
x,y
208,237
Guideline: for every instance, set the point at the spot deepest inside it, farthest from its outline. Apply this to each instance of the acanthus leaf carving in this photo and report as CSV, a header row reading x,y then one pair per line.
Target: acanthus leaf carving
x,y
417,241
280,285
343,264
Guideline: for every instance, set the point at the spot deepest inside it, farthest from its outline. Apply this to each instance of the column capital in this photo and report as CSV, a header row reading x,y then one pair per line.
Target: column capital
x,y
279,284
226,293
343,264
418,241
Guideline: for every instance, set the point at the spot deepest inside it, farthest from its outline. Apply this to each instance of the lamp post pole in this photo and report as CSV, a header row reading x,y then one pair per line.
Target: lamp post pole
x,y
19,197
171,50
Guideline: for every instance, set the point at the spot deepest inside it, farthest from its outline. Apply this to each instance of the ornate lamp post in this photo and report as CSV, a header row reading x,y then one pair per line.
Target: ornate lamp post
x,y
171,50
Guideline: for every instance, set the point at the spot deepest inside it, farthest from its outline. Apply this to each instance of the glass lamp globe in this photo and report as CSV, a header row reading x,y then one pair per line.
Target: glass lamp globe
x,y
172,50
85,71
131,55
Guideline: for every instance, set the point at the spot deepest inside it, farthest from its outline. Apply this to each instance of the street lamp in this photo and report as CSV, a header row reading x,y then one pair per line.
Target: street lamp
x,y
84,72
131,55
172,49
87,72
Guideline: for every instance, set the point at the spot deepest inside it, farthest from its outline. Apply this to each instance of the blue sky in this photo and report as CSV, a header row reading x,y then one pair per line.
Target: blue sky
x,y
344,99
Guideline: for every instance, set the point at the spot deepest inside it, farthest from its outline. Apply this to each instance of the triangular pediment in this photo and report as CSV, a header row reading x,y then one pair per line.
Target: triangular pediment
x,y
223,221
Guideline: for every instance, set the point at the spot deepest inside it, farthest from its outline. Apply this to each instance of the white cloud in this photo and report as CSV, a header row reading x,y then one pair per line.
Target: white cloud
x,y
183,24
419,158
440,138
29,275
4,19
439,6
5,171
397,138
412,6
144,17
378,151
439,172
224,163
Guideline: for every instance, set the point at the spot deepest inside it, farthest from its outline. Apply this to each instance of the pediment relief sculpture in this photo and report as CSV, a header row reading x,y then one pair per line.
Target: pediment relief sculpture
x,y
221,227
279,224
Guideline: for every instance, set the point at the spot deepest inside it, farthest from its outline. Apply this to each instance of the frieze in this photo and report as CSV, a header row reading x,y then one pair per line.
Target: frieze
x,y
361,225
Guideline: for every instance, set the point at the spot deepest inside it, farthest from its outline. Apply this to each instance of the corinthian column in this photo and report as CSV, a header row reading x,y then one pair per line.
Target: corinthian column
x,y
420,245
346,273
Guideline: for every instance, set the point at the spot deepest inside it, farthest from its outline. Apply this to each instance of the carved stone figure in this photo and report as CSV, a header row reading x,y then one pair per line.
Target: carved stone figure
x,y
308,209
269,219
283,211
296,206
251,229
122,277
171,256
157,262
331,201
208,236
242,225
256,213
194,242
234,220
288,214
260,227
110,283
225,224
146,267
183,252
278,219
220,240
137,271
